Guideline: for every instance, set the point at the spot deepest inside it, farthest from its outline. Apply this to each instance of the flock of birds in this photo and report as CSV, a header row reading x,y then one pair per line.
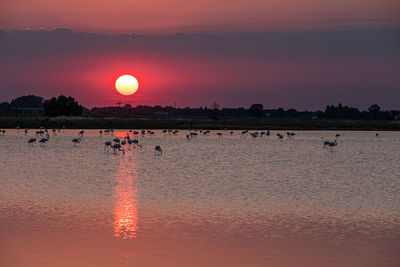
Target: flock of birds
x,y
116,145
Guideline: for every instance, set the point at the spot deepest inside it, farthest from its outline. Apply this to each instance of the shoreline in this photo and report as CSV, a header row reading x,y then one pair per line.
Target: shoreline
x,y
85,122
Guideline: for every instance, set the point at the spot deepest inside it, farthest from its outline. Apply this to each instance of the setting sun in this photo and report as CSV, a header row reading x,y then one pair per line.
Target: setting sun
x,y
126,85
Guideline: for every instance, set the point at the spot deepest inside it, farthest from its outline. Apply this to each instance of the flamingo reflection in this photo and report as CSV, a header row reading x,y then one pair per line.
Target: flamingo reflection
x,y
125,210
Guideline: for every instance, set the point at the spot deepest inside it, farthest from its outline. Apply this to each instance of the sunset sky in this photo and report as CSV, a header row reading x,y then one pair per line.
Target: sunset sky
x,y
287,53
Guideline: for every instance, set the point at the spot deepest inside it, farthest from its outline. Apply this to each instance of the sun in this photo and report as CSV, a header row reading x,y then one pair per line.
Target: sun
x,y
126,85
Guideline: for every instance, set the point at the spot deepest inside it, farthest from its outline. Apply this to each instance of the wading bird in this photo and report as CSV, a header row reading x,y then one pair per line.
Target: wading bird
x,y
31,141
80,134
106,145
330,144
117,147
158,150
136,143
44,140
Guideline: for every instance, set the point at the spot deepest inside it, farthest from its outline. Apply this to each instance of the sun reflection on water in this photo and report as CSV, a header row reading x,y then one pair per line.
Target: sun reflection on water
x,y
125,210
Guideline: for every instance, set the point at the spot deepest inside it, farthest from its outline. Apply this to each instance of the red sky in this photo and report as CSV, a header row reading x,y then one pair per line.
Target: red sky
x,y
197,15
286,53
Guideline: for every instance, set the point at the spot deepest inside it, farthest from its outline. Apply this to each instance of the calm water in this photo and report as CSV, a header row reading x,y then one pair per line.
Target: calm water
x,y
207,202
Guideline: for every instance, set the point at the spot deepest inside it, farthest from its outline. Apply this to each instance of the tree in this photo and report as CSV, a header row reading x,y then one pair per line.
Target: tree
x,y
256,110
375,112
374,108
28,101
62,106
341,112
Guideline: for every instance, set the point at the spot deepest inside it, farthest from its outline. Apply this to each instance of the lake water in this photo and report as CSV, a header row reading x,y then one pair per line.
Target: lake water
x,y
208,202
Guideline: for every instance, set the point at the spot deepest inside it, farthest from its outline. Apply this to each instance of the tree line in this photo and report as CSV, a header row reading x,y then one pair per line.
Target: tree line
x,y
36,105
68,106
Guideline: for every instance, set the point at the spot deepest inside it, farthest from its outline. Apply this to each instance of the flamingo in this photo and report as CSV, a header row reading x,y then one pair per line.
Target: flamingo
x,y
123,143
136,143
44,140
254,135
330,144
158,150
107,144
80,134
130,142
31,141
76,140
117,147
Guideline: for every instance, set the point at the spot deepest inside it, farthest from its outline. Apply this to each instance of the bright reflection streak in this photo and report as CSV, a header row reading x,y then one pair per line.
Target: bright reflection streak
x,y
125,210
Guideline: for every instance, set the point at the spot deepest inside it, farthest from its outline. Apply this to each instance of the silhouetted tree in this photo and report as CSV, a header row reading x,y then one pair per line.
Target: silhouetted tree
x,y
375,112
62,106
256,110
374,108
29,101
341,112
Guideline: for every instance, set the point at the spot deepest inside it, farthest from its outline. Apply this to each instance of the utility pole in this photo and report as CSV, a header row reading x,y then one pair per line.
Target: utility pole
x,y
119,103
215,105
119,106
